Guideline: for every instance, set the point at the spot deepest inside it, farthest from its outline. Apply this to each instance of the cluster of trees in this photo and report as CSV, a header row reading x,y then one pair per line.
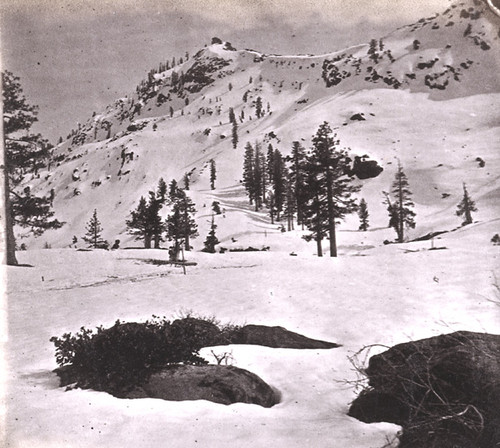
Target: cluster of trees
x,y
313,184
316,187
147,224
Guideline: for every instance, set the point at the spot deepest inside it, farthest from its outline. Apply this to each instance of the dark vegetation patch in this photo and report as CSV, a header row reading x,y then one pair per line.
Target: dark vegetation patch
x,y
444,391
249,249
429,236
198,76
131,359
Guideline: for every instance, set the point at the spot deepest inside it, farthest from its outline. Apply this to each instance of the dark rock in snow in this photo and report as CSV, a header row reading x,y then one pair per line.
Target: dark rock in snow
x,y
364,169
220,384
444,391
358,117
277,337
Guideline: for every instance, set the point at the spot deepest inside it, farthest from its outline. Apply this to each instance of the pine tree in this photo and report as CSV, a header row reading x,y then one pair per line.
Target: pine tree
x,y
248,172
290,202
213,174
93,232
155,223
234,134
278,183
161,191
23,153
174,192
138,224
297,168
186,180
363,216
329,188
466,207
401,215
211,241
232,117
181,225
258,175
315,212
258,107
270,163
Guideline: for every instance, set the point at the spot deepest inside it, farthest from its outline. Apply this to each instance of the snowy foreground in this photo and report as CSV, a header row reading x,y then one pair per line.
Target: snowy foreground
x,y
369,295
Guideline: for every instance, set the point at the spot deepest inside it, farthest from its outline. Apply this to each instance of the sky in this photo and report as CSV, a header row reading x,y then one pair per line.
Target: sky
x,y
75,57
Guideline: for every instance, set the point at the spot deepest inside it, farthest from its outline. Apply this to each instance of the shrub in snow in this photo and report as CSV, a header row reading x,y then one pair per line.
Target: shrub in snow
x,y
120,357
117,358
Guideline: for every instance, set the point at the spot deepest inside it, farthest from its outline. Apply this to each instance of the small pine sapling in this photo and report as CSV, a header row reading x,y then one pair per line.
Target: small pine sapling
x,y
211,241
466,207
363,216
93,232
213,174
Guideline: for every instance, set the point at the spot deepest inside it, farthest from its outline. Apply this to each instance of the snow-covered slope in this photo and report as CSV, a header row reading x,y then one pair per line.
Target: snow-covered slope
x,y
429,93
371,294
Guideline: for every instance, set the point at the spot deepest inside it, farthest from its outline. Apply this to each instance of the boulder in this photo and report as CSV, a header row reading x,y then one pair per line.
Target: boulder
x,y
277,337
447,391
220,384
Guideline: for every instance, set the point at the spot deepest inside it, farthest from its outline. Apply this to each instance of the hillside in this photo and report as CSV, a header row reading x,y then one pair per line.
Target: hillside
x,y
427,94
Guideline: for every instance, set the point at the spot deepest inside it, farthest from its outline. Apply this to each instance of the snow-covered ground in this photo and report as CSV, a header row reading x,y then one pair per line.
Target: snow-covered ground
x,y
371,294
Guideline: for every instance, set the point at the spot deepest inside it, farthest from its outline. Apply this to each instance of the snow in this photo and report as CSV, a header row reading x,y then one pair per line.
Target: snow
x,y
379,295
371,294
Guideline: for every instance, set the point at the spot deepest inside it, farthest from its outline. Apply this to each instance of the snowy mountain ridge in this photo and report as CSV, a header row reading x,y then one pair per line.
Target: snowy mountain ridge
x,y
426,94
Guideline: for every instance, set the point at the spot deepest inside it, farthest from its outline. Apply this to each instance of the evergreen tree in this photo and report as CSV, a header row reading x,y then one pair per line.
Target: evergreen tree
x,y
363,216
138,224
181,225
315,212
248,172
232,117
466,207
234,134
270,164
155,223
93,232
278,183
161,191
290,202
297,168
213,174
258,175
401,215
174,192
186,180
258,107
216,207
211,240
329,188
23,153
